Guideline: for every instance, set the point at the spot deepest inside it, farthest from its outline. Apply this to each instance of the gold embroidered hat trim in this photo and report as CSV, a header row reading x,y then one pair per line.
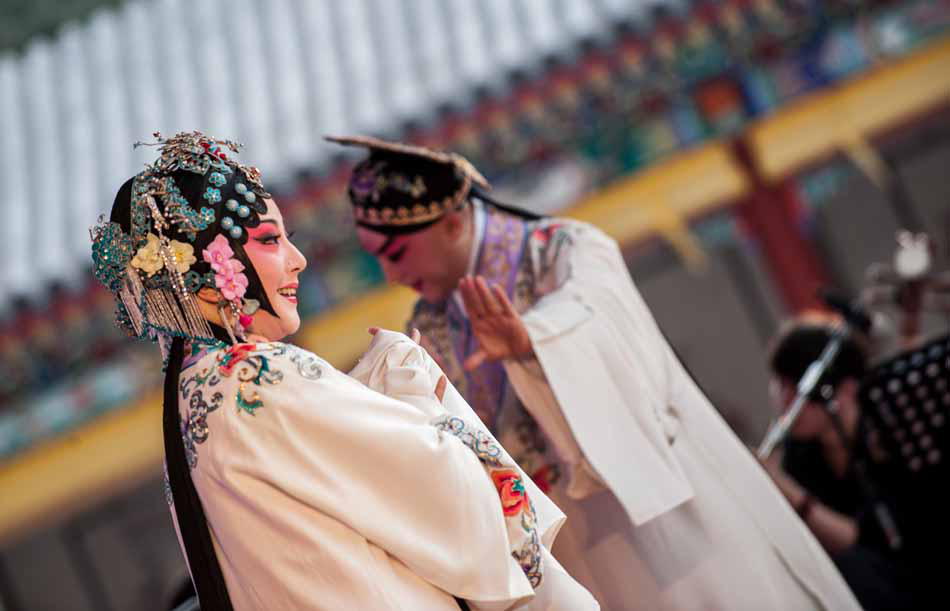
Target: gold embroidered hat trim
x,y
374,187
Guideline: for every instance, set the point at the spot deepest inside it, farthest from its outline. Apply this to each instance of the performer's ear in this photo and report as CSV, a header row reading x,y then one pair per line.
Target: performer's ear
x,y
209,295
456,223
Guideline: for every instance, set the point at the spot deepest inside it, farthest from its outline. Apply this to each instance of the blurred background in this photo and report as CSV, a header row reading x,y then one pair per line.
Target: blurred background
x,y
744,153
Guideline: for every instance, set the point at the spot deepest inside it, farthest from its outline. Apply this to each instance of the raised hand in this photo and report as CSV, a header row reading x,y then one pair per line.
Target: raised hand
x,y
497,326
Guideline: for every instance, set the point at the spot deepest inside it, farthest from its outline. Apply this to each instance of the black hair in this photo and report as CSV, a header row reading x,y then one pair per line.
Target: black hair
x,y
202,559
803,344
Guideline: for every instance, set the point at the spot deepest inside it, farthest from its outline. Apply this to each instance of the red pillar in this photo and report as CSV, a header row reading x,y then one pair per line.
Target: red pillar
x,y
771,214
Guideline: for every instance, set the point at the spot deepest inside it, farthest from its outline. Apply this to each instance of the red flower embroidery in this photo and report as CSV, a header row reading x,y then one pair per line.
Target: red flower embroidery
x,y
545,234
233,356
511,491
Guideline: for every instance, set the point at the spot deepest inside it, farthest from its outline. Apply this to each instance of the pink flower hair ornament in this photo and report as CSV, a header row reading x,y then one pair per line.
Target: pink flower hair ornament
x,y
228,276
227,270
232,285
218,253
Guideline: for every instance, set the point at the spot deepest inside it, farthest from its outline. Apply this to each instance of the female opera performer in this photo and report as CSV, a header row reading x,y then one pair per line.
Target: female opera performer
x,y
293,485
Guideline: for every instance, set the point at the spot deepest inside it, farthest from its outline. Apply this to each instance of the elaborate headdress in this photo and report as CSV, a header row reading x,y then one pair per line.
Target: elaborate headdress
x,y
401,188
146,253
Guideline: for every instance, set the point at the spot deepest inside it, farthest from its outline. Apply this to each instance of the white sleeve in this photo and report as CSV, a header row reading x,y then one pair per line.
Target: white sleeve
x,y
528,379
605,366
400,368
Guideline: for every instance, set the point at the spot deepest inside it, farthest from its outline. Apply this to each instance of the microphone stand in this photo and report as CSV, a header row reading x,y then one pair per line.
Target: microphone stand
x,y
859,467
806,385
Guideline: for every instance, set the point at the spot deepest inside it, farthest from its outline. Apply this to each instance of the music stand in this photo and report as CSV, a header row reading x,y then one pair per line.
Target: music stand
x,y
907,399
906,402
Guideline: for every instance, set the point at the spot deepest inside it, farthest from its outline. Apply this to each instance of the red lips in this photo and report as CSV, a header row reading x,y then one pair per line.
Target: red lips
x,y
291,287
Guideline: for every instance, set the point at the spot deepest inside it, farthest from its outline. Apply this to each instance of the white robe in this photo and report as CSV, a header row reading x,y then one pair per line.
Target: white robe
x,y
323,494
666,509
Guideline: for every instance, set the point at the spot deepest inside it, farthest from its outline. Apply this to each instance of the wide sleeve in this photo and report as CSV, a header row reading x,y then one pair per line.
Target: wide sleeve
x,y
603,367
399,368
528,379
378,466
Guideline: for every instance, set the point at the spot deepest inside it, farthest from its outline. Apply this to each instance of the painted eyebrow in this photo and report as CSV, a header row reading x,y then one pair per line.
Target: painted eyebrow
x,y
386,245
263,222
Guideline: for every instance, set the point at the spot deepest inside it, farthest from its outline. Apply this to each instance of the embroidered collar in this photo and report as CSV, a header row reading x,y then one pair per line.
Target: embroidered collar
x,y
478,218
196,350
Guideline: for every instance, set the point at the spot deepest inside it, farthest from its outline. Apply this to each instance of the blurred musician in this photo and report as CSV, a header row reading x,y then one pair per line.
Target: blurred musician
x,y
816,468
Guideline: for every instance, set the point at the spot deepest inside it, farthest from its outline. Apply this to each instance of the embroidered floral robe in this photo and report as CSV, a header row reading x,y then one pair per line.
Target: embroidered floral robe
x,y
323,494
666,509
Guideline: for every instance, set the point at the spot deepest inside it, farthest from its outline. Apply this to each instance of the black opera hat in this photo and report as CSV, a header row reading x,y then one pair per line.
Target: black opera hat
x,y
402,188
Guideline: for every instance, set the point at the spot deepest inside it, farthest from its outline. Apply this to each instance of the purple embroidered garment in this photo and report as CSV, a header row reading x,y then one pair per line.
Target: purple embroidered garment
x,y
501,260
